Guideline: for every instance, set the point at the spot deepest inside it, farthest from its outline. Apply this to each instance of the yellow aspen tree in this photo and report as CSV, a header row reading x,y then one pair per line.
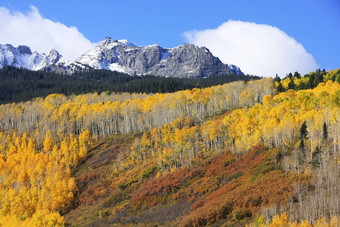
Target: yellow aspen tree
x,y
48,142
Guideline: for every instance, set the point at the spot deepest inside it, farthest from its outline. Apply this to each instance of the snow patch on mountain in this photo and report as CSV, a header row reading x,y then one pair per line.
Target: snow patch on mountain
x,y
126,42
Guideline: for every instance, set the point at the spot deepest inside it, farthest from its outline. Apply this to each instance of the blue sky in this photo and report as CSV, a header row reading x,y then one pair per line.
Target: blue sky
x,y
313,23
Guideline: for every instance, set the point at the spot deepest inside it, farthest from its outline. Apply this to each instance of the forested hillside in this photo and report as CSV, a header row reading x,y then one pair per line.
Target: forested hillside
x,y
22,85
229,155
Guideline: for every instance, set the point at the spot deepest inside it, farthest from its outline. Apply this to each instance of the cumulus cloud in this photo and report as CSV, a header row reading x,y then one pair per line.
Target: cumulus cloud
x,y
41,34
257,49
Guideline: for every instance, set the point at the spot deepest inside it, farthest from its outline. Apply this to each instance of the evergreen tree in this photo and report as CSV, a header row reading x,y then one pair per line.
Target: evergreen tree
x,y
280,88
303,131
337,78
311,81
325,131
302,144
291,84
290,75
318,78
277,78
297,75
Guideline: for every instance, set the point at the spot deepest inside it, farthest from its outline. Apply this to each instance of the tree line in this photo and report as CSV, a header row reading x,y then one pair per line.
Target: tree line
x,y
309,81
19,84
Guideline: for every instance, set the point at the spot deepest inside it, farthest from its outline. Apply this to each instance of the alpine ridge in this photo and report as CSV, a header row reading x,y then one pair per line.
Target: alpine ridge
x,y
185,61
22,57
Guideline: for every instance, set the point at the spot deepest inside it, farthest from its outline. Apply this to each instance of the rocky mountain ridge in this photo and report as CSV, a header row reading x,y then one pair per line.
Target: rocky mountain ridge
x,y
185,61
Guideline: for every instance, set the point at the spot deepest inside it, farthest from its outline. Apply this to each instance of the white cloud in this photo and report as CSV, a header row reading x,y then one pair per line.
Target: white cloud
x,y
41,34
257,49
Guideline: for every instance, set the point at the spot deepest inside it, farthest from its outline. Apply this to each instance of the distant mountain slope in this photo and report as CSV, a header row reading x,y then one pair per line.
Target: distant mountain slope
x,y
185,61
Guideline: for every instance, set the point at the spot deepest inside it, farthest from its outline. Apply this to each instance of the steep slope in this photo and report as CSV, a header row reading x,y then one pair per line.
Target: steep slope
x,y
61,149
246,163
224,188
220,156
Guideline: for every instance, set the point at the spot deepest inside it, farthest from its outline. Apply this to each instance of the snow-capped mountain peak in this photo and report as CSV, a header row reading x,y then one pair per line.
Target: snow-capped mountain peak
x,y
22,57
54,56
106,55
108,42
124,56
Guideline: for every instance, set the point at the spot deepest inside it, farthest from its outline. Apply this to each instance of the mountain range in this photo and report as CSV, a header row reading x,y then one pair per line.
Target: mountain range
x,y
185,61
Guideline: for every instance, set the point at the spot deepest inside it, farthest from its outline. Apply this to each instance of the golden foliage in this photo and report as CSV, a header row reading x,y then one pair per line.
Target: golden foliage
x,y
36,184
283,221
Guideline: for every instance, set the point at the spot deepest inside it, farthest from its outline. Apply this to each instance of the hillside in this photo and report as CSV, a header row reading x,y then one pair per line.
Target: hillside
x,y
224,188
225,184
228,155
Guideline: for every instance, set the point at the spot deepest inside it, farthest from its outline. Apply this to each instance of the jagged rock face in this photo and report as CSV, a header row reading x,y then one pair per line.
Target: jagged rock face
x,y
141,60
190,61
54,56
24,50
22,57
185,61
8,56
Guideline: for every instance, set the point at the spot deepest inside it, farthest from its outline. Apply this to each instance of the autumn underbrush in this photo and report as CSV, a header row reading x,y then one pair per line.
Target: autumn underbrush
x,y
224,188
